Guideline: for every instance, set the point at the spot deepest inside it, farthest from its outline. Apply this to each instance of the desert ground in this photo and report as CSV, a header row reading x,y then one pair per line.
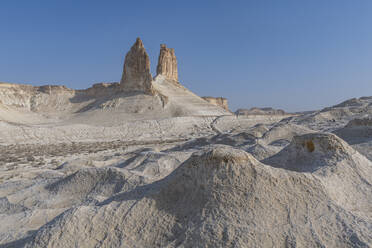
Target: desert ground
x,y
145,162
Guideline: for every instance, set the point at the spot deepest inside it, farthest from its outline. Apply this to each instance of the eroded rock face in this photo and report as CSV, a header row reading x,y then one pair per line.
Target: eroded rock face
x,y
136,73
101,90
167,63
218,101
53,89
260,111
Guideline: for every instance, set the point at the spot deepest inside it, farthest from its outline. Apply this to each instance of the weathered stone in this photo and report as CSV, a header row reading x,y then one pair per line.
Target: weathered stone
x,y
260,111
100,90
53,89
167,63
136,73
218,101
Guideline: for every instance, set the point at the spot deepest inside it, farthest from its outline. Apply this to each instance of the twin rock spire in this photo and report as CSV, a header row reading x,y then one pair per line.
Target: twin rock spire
x,y
167,63
136,73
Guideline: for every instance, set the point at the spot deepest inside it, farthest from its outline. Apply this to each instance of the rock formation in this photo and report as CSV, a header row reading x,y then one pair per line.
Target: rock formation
x,y
100,90
218,101
167,63
53,89
136,73
260,111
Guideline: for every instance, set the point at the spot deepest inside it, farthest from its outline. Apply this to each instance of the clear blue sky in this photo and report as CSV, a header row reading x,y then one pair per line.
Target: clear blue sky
x,y
290,54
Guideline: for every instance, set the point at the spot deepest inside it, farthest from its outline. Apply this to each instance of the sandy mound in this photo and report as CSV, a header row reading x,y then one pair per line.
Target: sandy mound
x,y
356,131
310,152
332,118
221,197
153,165
270,141
261,150
284,131
346,174
182,102
94,184
259,130
367,122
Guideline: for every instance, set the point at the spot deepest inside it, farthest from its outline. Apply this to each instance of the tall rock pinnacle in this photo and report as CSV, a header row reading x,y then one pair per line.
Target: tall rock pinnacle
x,y
167,63
136,72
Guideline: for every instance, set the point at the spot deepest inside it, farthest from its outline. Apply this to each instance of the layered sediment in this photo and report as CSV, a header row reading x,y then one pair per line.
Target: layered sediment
x,y
218,101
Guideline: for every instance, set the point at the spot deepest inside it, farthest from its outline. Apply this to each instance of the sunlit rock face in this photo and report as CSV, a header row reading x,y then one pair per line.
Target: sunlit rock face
x,y
167,63
218,101
136,73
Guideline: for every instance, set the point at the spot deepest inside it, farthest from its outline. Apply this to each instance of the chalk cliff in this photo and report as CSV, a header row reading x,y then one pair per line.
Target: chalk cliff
x,y
218,101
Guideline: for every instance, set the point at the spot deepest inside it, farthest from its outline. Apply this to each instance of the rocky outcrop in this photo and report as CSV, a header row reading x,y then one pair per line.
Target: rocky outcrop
x,y
167,63
136,73
101,90
260,111
53,89
218,101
